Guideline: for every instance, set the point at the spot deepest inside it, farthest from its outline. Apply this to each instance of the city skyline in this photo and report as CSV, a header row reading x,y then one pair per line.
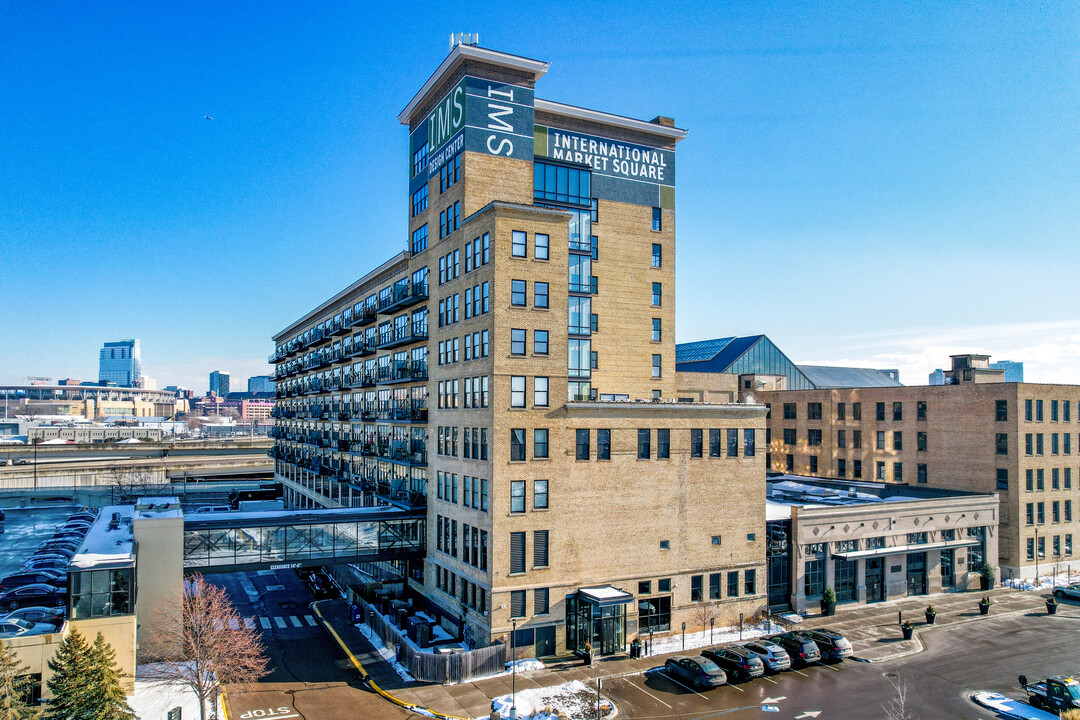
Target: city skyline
x,y
830,151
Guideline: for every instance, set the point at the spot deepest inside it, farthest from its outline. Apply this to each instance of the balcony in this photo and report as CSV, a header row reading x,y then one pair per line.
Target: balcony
x,y
405,412
368,411
402,372
366,316
405,294
340,326
410,333
361,349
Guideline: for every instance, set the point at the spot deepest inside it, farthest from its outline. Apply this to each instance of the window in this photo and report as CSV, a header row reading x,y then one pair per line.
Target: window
x,y
1028,437
920,410
790,413
733,584
517,599
540,392
517,554
419,161
1001,410
656,222
714,442
856,411
897,471
749,582
1038,411
732,442
540,548
920,441
582,445
749,443
663,585
540,246
657,255
898,440
663,443
1002,478
657,294
841,439
420,200
856,439
897,411
880,470
656,329
841,411
101,593
517,391
813,411
813,436
921,472
517,496
519,244
789,463
656,365
561,184
714,586
517,341
540,443
540,295
813,464
603,444
880,440
654,614
1039,448
644,587
1027,410
644,443
517,444
540,342
540,494
790,436
880,411
856,468
419,239
1040,513
814,574
450,172
518,293
695,443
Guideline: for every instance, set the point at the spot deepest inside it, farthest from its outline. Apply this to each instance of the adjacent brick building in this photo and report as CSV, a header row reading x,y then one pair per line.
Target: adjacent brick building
x,y
513,371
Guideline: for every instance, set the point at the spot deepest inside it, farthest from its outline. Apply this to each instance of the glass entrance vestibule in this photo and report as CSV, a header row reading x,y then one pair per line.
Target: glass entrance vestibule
x,y
596,616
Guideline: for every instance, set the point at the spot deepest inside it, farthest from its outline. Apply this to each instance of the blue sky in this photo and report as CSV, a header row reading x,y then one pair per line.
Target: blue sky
x,y
878,184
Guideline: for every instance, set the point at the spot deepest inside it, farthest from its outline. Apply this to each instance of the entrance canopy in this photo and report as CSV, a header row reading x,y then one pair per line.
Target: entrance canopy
x,y
898,549
604,596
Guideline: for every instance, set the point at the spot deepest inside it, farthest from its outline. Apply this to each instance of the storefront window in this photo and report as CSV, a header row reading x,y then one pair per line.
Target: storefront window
x,y
101,593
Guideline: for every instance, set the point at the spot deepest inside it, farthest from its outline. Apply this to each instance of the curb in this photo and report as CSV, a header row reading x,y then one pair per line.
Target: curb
x,y
365,677
226,708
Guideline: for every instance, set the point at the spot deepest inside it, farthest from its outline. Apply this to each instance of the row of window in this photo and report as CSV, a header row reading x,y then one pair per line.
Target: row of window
x,y
519,293
450,172
814,439
922,473
1060,411
1036,512
1036,479
1058,550
539,550
475,394
518,392
519,341
814,411
519,245
472,595
450,219
1060,444
476,346
474,442
477,302
474,493
726,444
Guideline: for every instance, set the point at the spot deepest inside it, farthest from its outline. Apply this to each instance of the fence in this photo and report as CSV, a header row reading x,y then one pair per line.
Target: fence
x,y
445,668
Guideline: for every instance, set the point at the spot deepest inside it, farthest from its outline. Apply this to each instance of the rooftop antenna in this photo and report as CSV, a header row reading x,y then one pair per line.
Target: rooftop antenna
x,y
463,39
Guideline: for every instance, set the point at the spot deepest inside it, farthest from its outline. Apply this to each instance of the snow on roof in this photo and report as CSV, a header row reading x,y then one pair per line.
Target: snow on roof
x,y
105,546
129,441
13,440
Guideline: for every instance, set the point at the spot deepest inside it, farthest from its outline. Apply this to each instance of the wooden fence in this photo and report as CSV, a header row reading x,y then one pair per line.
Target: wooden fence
x,y
437,667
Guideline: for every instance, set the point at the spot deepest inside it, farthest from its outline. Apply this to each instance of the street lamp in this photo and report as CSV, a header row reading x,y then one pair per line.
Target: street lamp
x,y
513,670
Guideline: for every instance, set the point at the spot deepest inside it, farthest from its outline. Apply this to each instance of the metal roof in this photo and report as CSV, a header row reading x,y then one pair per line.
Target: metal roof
x,y
825,376
722,351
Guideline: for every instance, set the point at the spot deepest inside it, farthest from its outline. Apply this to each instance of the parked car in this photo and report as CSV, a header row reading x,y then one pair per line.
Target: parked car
x,y
698,672
213,509
773,657
799,646
833,646
37,613
37,563
43,555
84,515
11,627
64,546
739,663
82,525
48,577
62,534
35,594
22,461
1068,591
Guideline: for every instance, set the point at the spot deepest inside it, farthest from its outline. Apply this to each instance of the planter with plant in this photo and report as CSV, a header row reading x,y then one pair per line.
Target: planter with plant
x,y
1051,605
931,614
828,602
984,605
986,575
907,629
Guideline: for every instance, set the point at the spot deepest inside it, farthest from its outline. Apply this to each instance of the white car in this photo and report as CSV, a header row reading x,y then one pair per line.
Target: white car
x,y
1068,591
774,657
13,627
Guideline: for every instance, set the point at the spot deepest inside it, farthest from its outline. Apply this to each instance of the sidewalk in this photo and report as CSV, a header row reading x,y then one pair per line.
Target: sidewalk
x,y
872,629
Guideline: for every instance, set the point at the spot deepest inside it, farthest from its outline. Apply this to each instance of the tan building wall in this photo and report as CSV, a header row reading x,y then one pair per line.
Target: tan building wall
x,y
960,430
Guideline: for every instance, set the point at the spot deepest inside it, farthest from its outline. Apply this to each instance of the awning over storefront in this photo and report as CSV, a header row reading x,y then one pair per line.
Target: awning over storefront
x,y
901,549
604,595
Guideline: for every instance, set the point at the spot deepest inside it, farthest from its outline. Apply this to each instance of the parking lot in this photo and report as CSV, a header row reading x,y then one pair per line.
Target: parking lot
x,y
24,529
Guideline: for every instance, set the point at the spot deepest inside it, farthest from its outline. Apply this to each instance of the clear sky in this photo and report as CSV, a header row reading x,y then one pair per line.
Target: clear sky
x,y
878,184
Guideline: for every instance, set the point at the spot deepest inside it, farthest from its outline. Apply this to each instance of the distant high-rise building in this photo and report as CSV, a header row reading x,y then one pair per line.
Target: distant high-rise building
x,y
260,384
1014,371
219,383
937,377
120,363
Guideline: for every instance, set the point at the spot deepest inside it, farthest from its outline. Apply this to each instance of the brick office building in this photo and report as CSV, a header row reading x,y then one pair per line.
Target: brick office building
x,y
512,371
975,433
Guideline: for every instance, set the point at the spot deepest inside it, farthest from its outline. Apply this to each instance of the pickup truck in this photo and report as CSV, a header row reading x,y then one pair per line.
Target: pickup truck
x,y
1056,693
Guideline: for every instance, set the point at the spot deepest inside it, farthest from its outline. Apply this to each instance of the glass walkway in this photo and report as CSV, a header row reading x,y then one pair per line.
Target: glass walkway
x,y
238,541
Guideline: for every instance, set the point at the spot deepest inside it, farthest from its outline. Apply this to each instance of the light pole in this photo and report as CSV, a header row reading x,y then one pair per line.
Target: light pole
x,y
1036,555
35,462
513,670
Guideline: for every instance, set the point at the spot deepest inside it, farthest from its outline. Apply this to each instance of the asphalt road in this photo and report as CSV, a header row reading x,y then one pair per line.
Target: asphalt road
x,y
958,660
54,457
310,678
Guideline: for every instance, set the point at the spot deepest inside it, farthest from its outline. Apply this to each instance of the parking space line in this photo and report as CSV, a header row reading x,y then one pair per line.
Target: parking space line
x,y
234,624
265,622
769,679
633,684
295,621
799,672
830,667
734,687
249,623
279,621
310,620
685,686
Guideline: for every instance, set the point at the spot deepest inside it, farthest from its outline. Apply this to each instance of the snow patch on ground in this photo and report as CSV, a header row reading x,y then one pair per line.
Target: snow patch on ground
x,y
526,665
718,636
153,699
1045,582
386,653
574,699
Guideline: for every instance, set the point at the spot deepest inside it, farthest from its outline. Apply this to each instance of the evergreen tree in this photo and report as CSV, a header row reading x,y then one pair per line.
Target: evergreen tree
x,y
107,699
14,682
71,667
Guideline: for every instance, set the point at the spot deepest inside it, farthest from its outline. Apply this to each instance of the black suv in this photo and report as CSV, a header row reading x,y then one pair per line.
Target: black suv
x,y
799,646
739,663
833,645
48,577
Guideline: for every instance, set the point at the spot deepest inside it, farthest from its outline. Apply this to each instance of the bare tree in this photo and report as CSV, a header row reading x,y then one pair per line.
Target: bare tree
x,y
204,644
705,613
896,708
129,483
